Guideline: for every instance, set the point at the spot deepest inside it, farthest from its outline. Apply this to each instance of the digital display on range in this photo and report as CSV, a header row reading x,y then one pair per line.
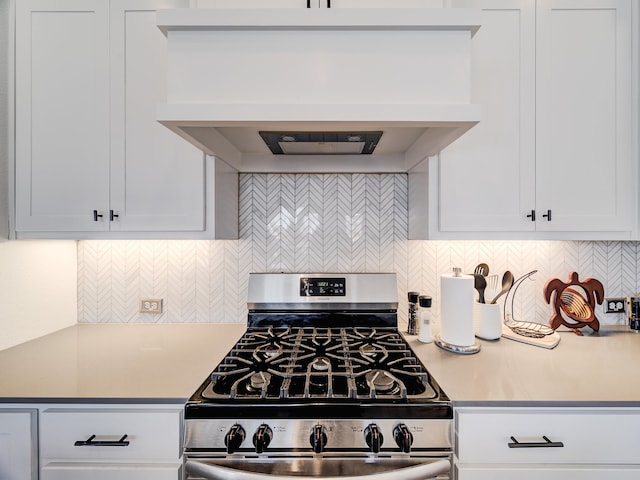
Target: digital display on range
x,y
322,287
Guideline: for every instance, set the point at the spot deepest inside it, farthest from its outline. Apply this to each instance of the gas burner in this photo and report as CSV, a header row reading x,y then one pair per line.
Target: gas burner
x,y
320,364
383,383
267,352
259,380
373,353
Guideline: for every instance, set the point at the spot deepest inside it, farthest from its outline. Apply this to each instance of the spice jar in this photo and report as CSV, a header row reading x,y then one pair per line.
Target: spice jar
x,y
425,319
413,313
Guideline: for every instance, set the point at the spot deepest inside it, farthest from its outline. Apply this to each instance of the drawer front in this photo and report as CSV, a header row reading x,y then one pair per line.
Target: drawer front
x,y
63,471
152,435
587,436
608,472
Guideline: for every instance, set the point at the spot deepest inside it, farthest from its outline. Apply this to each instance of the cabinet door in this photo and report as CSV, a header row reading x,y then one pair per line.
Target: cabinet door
x,y
486,177
153,436
608,472
18,455
585,172
66,471
382,3
62,114
257,3
157,178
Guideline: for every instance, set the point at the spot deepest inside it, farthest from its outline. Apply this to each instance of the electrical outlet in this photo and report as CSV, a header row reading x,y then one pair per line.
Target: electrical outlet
x,y
614,305
151,305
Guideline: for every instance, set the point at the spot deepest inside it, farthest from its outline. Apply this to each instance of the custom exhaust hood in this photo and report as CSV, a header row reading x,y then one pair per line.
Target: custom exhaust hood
x,y
319,90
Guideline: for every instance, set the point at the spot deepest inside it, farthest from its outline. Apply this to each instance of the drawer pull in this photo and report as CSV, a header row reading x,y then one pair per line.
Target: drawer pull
x,y
546,443
90,442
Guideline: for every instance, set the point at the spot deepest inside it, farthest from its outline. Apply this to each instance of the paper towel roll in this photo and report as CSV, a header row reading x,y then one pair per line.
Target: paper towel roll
x,y
456,310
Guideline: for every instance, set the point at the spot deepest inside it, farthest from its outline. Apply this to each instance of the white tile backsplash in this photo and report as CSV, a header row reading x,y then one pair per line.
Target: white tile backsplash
x,y
330,223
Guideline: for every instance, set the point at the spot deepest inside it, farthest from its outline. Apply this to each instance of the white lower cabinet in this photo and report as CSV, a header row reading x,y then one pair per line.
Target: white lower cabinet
x,y
107,442
64,471
549,443
547,473
18,444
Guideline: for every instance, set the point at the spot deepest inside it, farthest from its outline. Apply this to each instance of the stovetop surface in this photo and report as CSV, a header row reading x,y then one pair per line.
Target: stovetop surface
x,y
310,363
303,369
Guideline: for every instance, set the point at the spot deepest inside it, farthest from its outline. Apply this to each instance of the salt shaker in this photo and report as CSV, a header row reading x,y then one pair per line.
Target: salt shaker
x,y
413,313
424,334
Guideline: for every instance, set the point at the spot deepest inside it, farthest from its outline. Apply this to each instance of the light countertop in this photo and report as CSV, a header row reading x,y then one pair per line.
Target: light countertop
x,y
115,362
596,369
165,363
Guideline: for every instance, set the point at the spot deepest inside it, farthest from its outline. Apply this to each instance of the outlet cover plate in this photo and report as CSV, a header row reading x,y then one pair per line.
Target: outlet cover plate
x,y
151,305
614,305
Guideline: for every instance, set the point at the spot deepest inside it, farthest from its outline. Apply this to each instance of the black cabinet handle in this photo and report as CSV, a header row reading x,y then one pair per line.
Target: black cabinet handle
x,y
532,215
112,215
90,442
97,215
308,3
547,215
547,443
328,3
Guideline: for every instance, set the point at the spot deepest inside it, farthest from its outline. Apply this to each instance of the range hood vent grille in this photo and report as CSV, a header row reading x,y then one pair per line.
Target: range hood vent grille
x,y
321,143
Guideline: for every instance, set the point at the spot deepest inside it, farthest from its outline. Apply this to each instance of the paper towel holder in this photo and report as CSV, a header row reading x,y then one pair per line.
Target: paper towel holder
x,y
461,349
464,350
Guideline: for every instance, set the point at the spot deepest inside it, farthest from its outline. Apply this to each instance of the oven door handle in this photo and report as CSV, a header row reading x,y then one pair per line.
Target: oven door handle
x,y
419,472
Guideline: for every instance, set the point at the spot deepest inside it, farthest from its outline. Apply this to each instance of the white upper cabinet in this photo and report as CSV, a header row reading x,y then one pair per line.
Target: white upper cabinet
x,y
157,179
62,114
91,159
318,3
255,3
554,79
487,176
584,161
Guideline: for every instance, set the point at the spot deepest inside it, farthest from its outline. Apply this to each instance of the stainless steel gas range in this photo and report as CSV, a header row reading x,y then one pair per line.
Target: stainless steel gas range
x,y
320,385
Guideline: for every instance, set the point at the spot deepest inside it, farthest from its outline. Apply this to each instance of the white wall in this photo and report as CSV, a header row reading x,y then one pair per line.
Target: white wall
x,y
331,222
38,280
4,117
38,289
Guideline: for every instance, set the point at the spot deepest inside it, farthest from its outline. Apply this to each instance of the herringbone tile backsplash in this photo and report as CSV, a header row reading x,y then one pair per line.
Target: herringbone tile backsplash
x,y
323,223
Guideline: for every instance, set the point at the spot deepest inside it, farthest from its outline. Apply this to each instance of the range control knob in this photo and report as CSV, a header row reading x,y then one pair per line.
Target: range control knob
x,y
262,438
318,438
373,437
234,438
403,437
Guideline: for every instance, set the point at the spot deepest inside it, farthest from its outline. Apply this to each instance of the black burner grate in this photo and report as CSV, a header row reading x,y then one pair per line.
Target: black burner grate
x,y
311,363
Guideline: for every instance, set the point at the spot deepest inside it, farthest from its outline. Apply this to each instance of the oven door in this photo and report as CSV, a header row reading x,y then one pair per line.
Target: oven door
x,y
328,468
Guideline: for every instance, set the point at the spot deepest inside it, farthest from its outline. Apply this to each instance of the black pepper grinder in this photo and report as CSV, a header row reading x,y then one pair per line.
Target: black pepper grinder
x,y
413,313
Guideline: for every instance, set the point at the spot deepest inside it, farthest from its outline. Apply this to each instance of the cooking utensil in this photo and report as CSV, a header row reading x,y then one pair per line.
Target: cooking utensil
x,y
493,285
482,269
480,284
507,283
